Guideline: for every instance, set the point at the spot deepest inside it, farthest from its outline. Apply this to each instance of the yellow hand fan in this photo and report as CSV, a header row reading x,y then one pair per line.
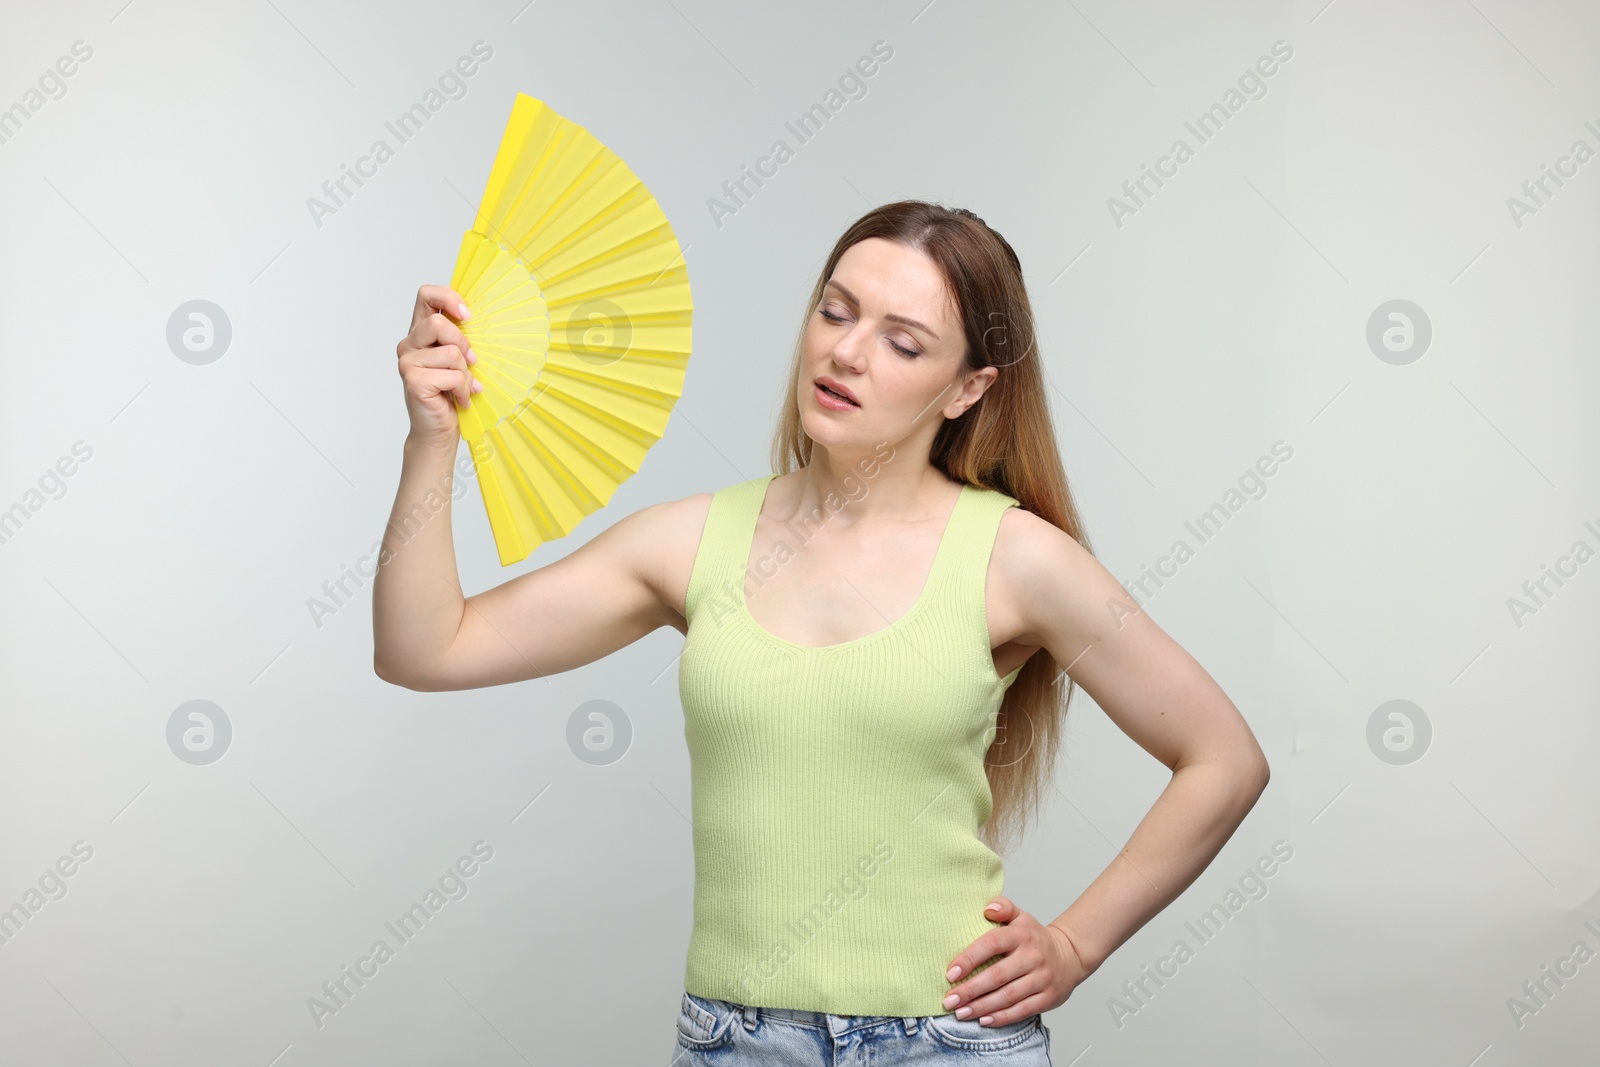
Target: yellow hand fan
x,y
580,323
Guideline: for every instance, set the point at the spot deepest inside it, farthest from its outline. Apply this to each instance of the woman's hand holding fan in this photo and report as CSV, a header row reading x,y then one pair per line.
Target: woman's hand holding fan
x,y
434,357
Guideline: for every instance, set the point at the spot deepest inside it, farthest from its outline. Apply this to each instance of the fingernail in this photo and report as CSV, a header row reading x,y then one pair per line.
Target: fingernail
x,y
993,907
477,386
950,1001
950,975
462,312
986,1020
963,1013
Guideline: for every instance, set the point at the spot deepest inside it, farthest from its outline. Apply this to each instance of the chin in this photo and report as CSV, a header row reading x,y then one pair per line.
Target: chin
x,y
821,429
834,440
812,425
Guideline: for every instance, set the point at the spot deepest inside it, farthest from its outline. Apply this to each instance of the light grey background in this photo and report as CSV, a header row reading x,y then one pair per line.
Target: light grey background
x,y
1227,313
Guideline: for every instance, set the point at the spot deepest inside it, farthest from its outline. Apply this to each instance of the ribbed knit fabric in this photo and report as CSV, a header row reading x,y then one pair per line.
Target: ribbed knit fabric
x,y
838,791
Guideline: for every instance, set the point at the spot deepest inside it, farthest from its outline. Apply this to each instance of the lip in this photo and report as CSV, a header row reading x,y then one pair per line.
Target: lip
x,y
838,388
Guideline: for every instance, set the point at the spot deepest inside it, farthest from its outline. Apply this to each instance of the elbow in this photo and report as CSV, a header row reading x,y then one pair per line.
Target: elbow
x,y
1249,766
1261,774
389,674
383,672
1254,774
1246,782
1254,771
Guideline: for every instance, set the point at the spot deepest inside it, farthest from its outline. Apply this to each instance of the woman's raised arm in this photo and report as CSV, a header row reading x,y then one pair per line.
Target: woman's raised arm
x,y
426,636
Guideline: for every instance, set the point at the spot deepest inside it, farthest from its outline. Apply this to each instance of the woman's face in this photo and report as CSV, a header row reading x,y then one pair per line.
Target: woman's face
x,y
886,331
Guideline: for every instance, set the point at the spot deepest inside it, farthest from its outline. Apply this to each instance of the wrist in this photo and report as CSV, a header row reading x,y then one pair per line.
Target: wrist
x,y
1087,957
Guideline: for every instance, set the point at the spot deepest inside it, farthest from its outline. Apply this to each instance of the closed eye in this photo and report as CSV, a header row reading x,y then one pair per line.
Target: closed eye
x,y
908,352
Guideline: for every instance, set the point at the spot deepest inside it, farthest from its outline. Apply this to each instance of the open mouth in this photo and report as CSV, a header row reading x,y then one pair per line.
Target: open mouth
x,y
836,396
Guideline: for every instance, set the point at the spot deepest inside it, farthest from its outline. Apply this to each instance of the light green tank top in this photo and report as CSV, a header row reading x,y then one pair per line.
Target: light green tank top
x,y
838,791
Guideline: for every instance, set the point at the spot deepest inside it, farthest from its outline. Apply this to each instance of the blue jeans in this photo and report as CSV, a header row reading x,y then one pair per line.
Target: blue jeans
x,y
719,1032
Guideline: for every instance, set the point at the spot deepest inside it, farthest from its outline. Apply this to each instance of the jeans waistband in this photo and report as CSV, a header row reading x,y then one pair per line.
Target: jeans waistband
x,y
835,1024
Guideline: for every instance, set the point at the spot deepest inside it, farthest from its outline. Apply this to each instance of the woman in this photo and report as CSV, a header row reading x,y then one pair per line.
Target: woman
x,y
875,638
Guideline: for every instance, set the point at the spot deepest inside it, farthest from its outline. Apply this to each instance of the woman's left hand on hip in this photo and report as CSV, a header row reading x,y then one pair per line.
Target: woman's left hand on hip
x,y
1038,969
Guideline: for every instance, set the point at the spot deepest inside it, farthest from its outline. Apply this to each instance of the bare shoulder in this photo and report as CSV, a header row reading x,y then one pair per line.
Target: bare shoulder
x,y
1051,592
1036,563
1025,539
663,539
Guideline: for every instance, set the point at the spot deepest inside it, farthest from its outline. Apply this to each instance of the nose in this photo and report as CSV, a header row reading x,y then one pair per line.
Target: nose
x,y
849,351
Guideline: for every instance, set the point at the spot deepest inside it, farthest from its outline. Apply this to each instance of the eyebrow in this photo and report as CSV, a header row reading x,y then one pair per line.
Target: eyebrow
x,y
891,318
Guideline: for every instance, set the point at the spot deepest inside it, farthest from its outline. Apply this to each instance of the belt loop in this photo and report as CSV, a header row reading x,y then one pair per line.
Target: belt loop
x,y
911,1025
751,1013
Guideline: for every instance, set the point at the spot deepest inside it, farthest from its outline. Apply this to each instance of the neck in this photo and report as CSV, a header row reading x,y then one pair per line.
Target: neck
x,y
896,490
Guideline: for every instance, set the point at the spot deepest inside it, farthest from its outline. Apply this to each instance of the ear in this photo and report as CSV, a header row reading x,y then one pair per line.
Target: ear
x,y
972,389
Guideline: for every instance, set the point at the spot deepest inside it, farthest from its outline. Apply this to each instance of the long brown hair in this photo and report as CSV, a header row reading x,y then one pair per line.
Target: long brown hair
x,y
1005,441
